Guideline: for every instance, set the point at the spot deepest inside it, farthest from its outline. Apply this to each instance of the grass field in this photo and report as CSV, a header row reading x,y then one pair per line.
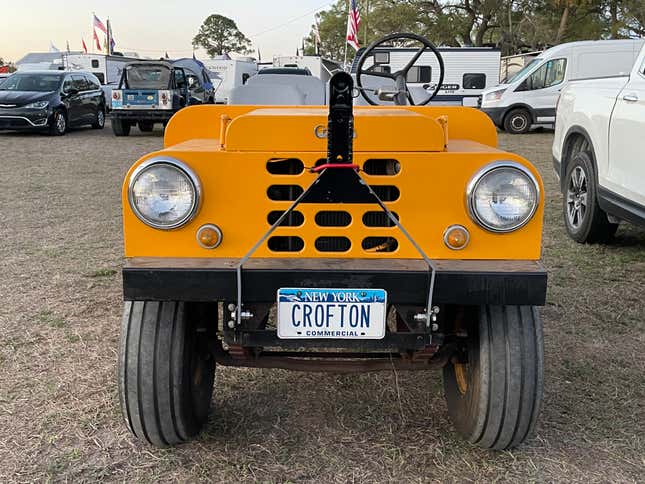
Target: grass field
x,y
60,308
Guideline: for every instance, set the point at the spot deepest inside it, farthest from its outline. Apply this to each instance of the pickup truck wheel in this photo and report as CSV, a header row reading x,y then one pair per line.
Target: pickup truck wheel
x,y
518,121
120,127
494,390
146,126
585,221
166,371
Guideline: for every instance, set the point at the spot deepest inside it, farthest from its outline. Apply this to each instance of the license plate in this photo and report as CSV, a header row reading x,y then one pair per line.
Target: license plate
x,y
331,313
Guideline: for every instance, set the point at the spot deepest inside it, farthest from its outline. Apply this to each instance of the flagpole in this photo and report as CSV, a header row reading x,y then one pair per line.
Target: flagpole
x,y
345,59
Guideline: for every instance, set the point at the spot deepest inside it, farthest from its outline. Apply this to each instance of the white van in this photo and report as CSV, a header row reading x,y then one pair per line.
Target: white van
x,y
530,96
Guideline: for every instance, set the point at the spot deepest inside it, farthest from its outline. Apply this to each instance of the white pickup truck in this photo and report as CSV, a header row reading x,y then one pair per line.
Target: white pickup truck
x,y
599,153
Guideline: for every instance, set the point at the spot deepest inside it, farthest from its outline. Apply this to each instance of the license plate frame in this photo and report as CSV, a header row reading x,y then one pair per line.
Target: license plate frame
x,y
347,313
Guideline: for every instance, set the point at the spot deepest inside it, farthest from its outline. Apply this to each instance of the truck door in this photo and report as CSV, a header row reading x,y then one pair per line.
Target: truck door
x,y
626,143
541,89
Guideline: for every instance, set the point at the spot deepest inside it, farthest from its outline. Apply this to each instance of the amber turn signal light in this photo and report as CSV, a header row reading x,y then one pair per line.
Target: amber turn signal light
x,y
456,237
209,236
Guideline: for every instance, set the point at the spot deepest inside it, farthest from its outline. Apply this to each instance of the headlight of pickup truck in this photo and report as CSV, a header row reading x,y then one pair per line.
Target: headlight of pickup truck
x,y
503,196
164,193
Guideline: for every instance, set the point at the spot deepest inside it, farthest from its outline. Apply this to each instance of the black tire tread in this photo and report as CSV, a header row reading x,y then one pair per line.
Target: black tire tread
x,y
503,405
596,228
120,127
152,384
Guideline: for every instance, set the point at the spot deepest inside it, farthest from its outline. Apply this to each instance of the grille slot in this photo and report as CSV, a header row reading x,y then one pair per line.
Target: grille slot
x,y
333,244
283,193
378,219
294,219
285,166
380,244
281,243
382,167
387,193
330,218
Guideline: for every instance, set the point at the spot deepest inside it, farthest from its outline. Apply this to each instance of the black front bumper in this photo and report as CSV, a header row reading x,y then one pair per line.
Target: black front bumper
x,y
154,115
406,281
24,119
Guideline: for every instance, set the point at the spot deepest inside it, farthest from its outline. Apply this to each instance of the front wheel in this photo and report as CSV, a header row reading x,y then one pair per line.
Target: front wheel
x,y
99,119
518,121
58,126
584,219
493,387
166,371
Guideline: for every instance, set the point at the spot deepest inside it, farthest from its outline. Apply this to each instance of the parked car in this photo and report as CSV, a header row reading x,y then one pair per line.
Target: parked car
x,y
531,95
51,101
151,92
599,153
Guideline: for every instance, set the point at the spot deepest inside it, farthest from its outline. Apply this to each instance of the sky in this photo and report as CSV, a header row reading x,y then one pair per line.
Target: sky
x,y
151,27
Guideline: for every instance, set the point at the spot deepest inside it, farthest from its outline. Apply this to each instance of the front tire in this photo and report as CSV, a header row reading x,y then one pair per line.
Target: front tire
x,y
494,390
120,127
585,221
518,121
166,371
99,121
58,126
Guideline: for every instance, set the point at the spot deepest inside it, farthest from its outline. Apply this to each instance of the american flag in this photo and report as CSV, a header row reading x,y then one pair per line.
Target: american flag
x,y
98,24
353,24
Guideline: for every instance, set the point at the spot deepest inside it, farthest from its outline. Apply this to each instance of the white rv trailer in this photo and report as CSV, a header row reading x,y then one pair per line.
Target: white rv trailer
x,y
41,61
232,72
468,71
319,67
107,68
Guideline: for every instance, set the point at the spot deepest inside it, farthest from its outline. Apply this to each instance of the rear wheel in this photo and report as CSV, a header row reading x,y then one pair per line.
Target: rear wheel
x,y
166,371
585,221
146,126
120,127
518,121
494,388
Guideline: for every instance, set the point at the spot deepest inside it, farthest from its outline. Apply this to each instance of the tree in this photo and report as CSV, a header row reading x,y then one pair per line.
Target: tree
x,y
219,35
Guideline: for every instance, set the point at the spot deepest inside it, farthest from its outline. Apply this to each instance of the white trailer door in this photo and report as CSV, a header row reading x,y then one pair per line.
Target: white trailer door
x,y
627,140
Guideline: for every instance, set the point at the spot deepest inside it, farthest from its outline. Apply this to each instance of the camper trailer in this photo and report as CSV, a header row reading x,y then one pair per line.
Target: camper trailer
x,y
319,67
231,73
468,72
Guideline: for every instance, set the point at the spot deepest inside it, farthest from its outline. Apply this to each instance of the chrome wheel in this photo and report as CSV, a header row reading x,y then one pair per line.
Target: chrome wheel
x,y
519,123
100,118
577,197
61,124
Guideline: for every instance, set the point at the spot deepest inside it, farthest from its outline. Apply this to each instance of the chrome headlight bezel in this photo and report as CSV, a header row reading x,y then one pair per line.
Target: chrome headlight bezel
x,y
181,167
487,170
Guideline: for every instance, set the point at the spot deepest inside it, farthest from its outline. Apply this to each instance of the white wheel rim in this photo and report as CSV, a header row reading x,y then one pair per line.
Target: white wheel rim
x,y
101,118
60,123
518,122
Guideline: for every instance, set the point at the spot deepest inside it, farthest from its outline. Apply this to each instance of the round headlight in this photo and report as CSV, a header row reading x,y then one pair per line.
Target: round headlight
x,y
503,196
164,193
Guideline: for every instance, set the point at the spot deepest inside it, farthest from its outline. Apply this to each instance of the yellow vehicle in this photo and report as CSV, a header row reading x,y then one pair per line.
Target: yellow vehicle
x,y
384,236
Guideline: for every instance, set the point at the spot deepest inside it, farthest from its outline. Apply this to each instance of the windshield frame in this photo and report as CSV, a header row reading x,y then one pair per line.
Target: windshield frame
x,y
27,74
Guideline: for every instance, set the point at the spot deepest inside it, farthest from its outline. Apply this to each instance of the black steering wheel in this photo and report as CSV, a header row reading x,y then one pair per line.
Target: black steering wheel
x,y
402,94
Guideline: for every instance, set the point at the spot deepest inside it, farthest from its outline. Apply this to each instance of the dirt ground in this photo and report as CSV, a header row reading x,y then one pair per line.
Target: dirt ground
x,y
60,308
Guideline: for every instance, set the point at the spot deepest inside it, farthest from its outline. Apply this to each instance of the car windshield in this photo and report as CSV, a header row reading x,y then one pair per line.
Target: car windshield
x,y
523,71
31,82
148,77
